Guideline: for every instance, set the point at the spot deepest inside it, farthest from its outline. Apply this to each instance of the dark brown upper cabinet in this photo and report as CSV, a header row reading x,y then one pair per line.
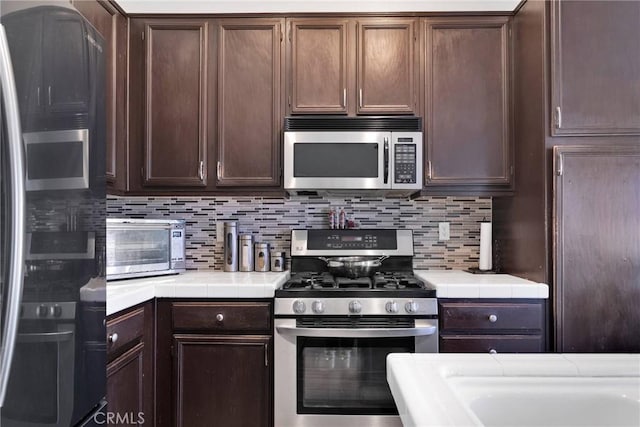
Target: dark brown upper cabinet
x,y
352,66
318,65
595,67
386,66
113,27
249,102
467,97
175,120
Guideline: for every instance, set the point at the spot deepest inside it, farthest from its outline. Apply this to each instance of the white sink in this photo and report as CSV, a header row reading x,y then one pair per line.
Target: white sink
x,y
516,390
551,401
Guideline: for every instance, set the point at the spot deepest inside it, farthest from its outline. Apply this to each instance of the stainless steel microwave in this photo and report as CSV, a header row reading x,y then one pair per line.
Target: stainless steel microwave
x,y
57,160
330,154
144,247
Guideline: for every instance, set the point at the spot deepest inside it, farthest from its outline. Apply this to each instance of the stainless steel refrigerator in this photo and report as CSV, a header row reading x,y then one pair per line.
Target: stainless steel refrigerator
x,y
52,212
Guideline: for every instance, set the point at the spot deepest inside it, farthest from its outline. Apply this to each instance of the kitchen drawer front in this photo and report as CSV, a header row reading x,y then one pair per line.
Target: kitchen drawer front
x,y
491,343
125,329
491,316
222,316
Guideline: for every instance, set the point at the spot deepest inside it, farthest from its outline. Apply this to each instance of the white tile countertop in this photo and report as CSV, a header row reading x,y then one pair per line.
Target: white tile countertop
x,y
516,389
122,294
461,284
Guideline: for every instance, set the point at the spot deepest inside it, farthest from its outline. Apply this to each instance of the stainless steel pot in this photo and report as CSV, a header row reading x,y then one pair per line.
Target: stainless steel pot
x,y
354,266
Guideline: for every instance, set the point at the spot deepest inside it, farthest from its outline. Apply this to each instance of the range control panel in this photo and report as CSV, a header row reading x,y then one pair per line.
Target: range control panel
x,y
352,239
405,161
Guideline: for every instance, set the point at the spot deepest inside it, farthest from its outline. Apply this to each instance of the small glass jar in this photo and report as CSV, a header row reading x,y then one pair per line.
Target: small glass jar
x,y
277,261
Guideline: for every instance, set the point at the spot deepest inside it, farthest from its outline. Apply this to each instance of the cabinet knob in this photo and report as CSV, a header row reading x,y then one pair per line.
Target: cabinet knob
x,y
493,351
219,317
493,318
113,338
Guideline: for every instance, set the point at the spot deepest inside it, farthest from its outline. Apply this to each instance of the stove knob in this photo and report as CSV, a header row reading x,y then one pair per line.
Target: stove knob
x,y
411,307
42,311
355,307
299,307
317,307
55,311
391,307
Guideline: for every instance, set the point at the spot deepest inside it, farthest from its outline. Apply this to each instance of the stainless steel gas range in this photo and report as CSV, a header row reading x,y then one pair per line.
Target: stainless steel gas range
x,y
334,329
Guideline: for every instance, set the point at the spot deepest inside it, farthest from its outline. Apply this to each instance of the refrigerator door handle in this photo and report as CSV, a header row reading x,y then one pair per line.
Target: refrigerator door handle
x,y
16,193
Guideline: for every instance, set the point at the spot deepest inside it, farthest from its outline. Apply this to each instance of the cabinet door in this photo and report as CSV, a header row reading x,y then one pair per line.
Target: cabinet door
x,y
595,73
130,368
113,27
125,385
222,380
318,65
249,102
467,123
175,99
386,66
66,82
597,251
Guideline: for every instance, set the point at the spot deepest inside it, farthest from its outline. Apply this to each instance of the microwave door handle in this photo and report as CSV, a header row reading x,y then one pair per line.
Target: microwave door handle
x,y
17,196
386,160
356,332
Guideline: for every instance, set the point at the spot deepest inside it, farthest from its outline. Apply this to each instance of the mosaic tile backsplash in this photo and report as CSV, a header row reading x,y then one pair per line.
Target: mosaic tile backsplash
x,y
272,219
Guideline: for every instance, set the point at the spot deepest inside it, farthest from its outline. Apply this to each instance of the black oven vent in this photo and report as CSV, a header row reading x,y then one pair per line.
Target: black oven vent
x,y
356,322
341,123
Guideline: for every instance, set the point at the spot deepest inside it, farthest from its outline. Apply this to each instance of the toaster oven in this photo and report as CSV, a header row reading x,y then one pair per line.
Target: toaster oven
x,y
144,247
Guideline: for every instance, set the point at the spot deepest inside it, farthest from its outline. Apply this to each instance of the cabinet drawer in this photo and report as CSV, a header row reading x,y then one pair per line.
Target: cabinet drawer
x,y
124,329
489,343
491,316
222,316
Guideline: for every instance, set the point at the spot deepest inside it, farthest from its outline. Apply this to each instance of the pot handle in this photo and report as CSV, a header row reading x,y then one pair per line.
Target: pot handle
x,y
382,258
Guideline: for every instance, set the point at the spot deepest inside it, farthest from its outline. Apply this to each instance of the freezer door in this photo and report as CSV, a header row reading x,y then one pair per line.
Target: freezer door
x,y
13,216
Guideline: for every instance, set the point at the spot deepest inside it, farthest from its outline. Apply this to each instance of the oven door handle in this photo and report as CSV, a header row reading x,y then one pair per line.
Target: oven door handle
x,y
356,332
45,337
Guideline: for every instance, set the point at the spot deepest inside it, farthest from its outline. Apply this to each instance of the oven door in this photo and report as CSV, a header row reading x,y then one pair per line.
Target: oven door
x,y
335,375
337,160
41,386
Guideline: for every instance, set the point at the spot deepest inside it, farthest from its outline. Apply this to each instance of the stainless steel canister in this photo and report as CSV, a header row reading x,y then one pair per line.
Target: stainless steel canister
x,y
277,261
231,246
261,256
246,252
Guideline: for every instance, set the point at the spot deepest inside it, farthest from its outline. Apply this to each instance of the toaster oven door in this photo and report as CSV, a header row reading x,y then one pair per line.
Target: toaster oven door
x,y
138,250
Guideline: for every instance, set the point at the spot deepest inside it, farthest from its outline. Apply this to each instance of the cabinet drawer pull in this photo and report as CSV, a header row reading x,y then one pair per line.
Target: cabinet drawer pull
x,y
493,351
219,317
493,318
113,338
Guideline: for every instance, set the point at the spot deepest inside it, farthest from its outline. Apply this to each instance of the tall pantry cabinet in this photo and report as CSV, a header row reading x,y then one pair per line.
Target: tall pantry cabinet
x,y
579,93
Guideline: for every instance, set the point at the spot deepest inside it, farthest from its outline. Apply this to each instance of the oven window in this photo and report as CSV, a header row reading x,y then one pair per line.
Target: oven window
x,y
335,160
55,160
346,375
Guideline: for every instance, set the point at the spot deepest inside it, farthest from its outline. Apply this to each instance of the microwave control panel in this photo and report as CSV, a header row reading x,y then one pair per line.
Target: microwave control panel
x,y
405,161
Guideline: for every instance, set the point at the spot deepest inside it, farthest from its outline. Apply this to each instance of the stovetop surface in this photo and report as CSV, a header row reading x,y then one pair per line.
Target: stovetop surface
x,y
325,284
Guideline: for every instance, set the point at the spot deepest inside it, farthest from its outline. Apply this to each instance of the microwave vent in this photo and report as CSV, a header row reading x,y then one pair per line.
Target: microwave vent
x,y
341,123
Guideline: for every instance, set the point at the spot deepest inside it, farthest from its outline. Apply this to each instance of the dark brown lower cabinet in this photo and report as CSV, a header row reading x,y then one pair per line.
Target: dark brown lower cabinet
x,y
492,326
222,380
130,366
214,363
